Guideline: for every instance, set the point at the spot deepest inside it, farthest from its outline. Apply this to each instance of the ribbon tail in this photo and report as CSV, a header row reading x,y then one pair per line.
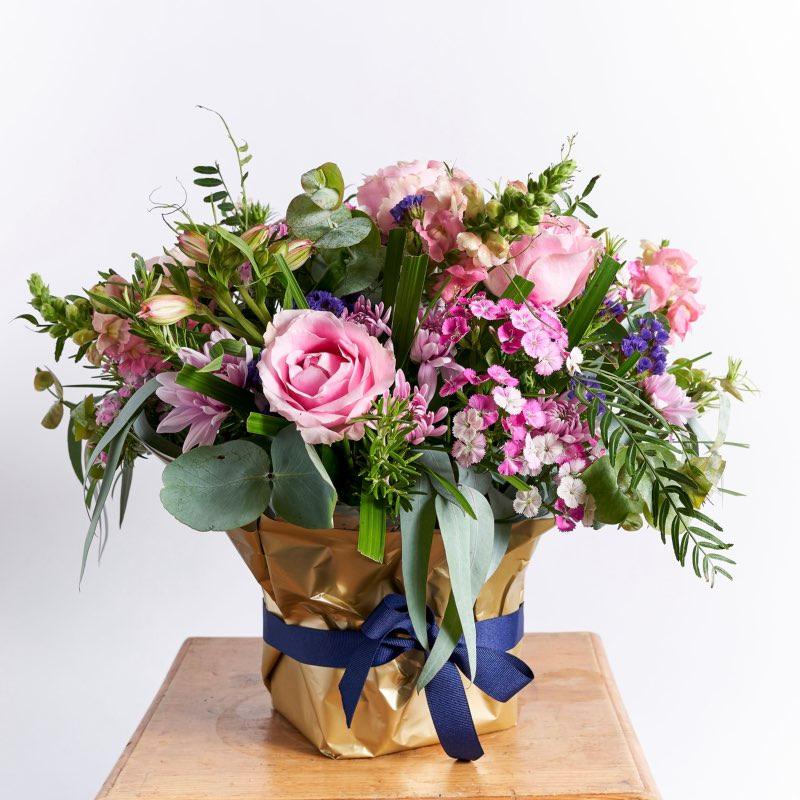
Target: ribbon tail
x,y
355,675
447,702
501,675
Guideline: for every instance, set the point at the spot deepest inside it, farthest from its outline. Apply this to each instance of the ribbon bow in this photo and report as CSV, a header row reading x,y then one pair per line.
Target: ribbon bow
x,y
384,635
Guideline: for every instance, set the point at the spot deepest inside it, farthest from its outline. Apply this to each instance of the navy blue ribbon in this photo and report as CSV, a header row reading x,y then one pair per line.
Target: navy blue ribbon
x,y
384,635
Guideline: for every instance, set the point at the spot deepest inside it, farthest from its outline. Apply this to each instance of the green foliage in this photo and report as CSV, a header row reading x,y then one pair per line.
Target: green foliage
x,y
405,312
389,472
372,527
216,388
217,488
298,475
592,299
324,185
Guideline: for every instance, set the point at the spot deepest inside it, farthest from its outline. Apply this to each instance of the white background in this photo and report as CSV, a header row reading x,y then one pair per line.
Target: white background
x,y
689,110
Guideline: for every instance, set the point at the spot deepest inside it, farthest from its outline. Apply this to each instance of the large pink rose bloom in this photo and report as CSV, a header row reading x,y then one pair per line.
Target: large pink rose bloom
x,y
443,191
559,260
322,373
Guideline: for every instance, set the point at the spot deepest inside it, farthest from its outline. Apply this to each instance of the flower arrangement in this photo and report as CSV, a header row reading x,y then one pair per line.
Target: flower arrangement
x,y
421,350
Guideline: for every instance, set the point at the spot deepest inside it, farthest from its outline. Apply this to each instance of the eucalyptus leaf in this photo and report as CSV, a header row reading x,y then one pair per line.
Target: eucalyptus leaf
x,y
347,234
217,488
417,525
449,634
302,492
324,185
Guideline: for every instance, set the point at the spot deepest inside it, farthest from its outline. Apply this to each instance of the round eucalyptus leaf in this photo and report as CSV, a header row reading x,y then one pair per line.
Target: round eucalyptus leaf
x,y
217,488
348,233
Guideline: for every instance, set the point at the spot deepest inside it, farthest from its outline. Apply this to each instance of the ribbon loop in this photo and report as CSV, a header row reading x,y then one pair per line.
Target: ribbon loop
x,y
387,633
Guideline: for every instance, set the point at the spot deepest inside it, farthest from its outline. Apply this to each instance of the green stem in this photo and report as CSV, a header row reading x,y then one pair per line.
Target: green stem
x,y
251,333
260,311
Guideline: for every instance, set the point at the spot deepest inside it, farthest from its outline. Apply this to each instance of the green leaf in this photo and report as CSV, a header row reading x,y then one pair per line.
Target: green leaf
x,y
302,492
207,182
362,270
519,289
407,304
308,221
52,419
242,246
125,488
204,170
372,527
448,490
591,300
468,547
612,506
293,289
395,247
417,524
449,634
216,388
217,488
74,450
265,424
129,411
156,443
348,233
324,185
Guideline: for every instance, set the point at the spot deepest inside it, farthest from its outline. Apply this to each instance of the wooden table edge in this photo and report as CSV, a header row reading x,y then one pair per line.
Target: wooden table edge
x,y
632,740
637,754
140,728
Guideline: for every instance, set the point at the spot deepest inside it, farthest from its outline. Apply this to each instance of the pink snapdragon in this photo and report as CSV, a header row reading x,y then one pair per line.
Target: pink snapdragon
x,y
666,272
130,354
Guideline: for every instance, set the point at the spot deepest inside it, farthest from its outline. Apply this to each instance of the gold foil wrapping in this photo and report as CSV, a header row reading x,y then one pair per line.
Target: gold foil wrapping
x,y
317,578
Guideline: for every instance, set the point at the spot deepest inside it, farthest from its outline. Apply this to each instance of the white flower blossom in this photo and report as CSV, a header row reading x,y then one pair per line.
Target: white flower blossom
x,y
528,503
572,491
574,360
509,398
467,424
545,448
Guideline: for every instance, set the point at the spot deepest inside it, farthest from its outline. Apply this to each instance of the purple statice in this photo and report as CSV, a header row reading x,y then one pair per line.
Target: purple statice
x,y
648,337
374,318
400,211
613,307
591,390
320,300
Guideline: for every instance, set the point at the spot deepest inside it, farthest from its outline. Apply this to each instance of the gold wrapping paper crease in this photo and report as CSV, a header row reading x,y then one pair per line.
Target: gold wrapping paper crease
x,y
317,578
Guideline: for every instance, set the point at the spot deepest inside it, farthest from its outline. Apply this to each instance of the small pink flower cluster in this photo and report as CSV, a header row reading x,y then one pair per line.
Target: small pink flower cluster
x,y
666,273
424,421
129,353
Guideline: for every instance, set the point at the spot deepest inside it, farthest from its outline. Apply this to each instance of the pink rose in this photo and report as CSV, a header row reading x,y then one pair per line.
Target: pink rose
x,y
381,192
668,398
559,260
322,373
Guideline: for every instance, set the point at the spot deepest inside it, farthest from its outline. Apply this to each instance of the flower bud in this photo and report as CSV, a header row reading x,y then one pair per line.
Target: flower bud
x,y
167,309
295,252
497,244
83,336
256,236
494,208
511,220
194,245
475,201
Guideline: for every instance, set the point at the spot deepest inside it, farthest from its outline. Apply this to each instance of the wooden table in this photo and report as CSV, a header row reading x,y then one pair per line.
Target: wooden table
x,y
211,734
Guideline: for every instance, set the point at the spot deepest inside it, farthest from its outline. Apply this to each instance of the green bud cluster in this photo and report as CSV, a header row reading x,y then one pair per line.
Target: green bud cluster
x,y
64,317
519,208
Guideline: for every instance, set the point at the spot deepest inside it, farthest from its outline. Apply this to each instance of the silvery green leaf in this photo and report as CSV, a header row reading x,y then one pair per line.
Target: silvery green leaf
x,y
416,532
302,492
446,641
348,233
217,488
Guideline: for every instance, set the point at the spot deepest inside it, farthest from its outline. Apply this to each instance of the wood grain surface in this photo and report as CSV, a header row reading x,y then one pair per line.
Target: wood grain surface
x,y
211,734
